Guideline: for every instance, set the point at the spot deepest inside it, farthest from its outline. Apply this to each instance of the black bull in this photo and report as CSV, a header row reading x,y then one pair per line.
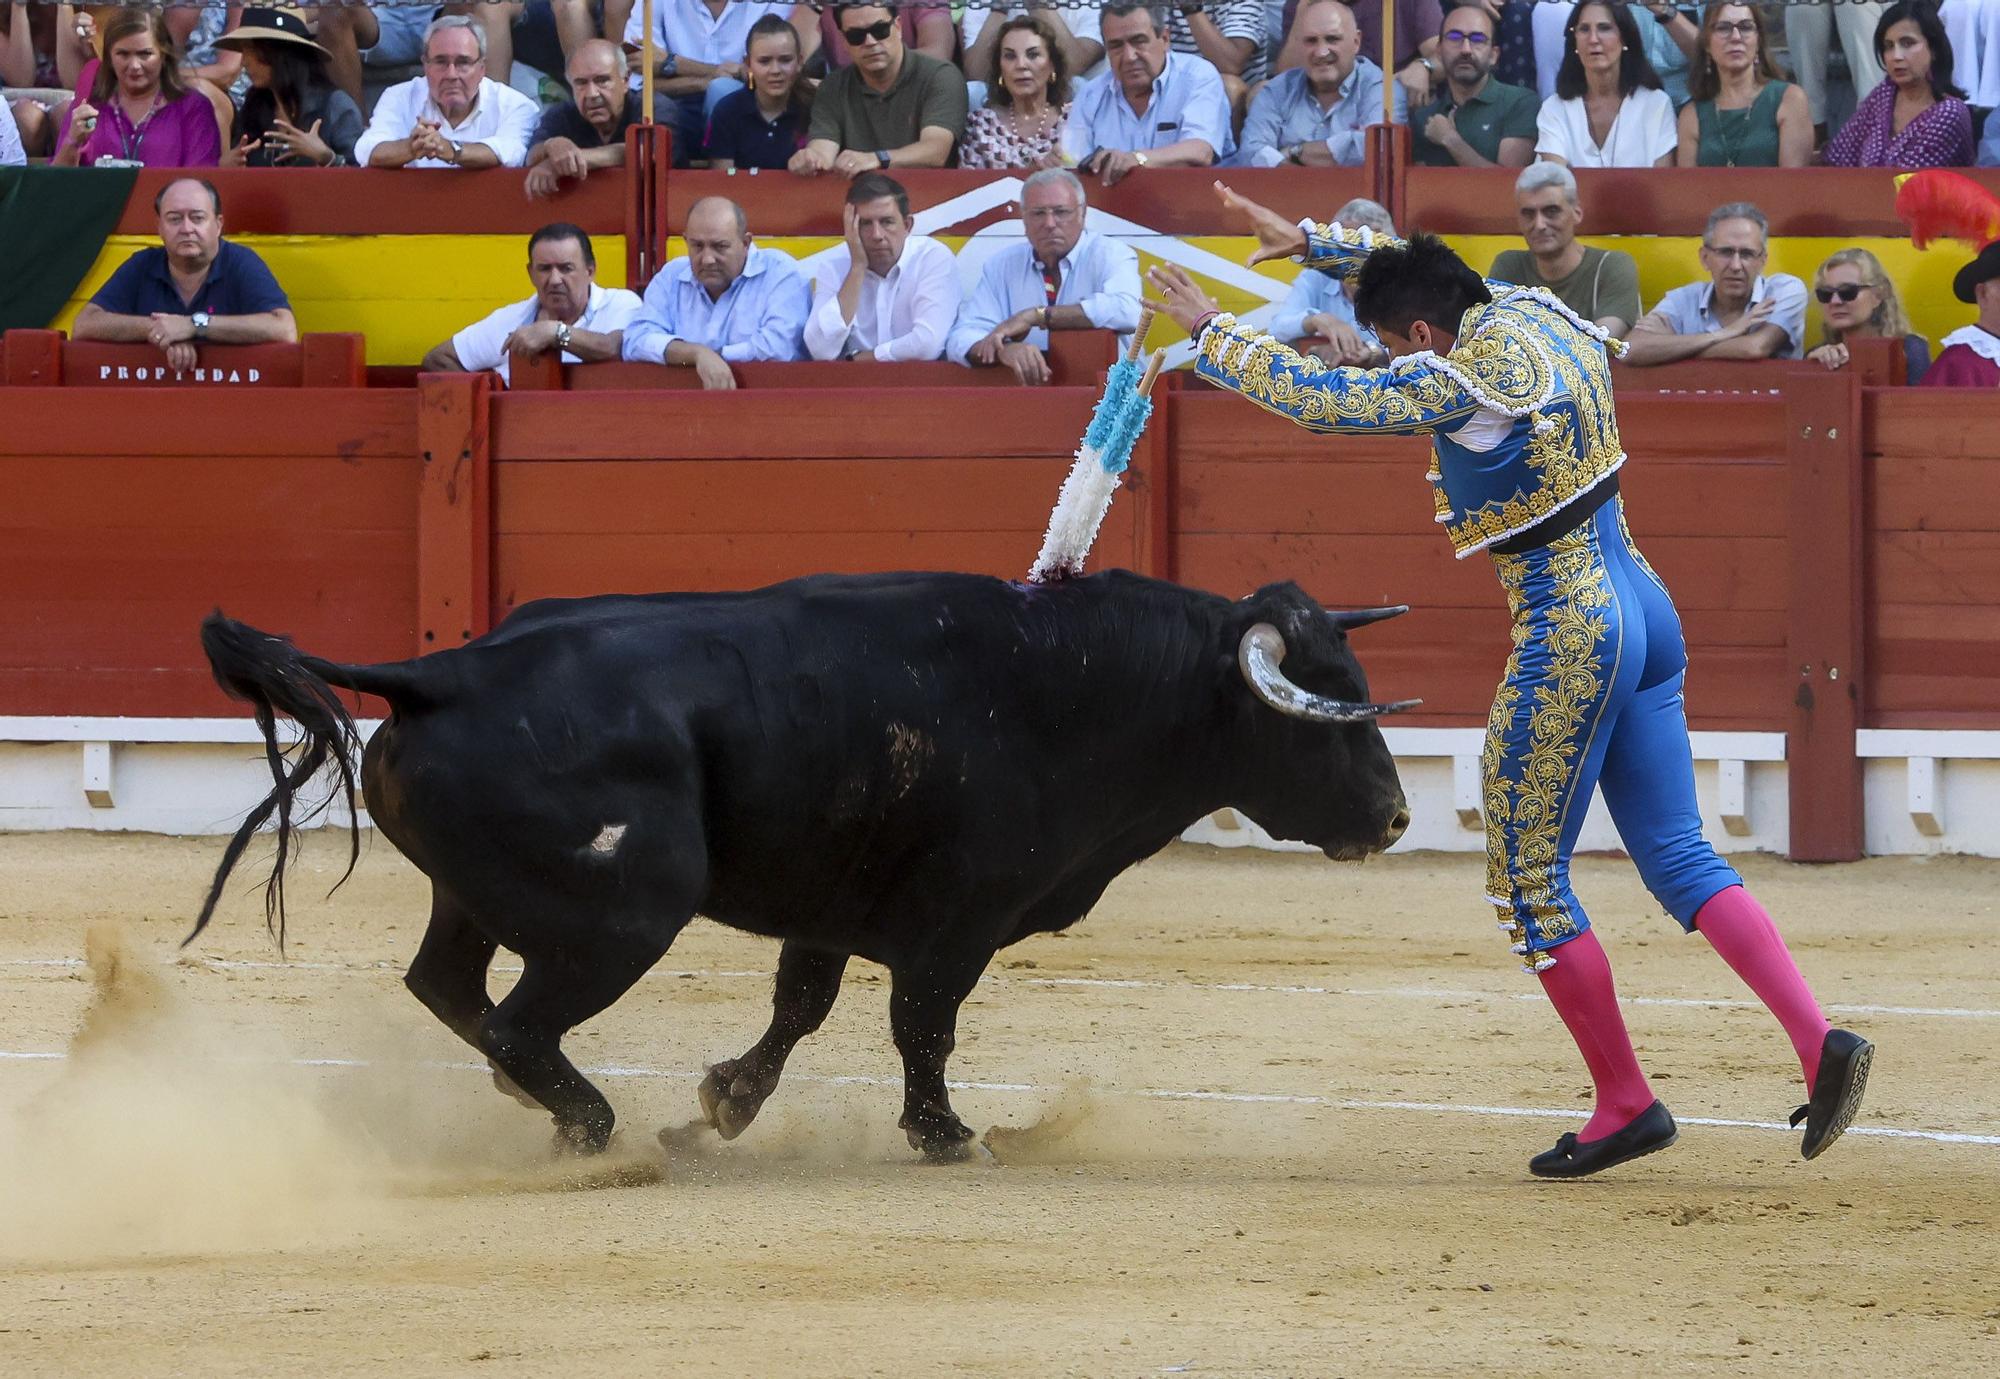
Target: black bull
x,y
917,769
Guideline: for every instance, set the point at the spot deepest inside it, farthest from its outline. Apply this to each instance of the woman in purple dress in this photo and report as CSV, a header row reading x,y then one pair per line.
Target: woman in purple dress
x,y
1915,117
137,112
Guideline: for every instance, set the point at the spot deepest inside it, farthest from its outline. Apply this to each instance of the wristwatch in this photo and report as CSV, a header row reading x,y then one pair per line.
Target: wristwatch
x,y
201,320
1292,152
562,336
457,151
1140,159
882,157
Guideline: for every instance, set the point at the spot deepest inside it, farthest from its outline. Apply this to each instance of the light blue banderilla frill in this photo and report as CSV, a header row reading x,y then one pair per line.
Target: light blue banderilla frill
x,y
1114,429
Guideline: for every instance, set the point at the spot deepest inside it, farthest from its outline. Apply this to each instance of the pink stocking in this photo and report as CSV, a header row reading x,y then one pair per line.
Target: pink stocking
x,y
1737,927
1581,988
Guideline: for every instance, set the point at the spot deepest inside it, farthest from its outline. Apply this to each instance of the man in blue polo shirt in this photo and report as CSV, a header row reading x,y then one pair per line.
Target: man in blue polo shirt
x,y
195,289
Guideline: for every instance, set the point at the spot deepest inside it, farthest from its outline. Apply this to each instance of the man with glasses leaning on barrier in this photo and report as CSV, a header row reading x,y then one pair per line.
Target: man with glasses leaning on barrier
x,y
454,115
1739,314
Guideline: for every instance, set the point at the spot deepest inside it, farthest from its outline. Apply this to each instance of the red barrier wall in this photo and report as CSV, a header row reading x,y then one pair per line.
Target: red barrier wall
x,y
1933,559
291,509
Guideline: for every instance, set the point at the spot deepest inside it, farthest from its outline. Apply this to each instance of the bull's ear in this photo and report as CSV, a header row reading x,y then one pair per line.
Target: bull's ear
x,y
1348,619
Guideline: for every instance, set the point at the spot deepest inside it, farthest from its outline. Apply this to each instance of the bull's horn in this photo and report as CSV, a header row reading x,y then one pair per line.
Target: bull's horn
x,y
1349,619
1259,653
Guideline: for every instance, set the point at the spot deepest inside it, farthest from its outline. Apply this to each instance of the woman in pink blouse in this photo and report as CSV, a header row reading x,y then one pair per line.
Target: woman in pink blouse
x,y
137,112
1915,117
1021,124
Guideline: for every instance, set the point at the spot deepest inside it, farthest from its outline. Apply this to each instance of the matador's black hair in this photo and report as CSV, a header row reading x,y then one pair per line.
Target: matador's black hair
x,y
1418,280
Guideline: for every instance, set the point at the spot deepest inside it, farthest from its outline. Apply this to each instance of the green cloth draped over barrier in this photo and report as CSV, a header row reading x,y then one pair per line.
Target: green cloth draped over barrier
x,y
53,224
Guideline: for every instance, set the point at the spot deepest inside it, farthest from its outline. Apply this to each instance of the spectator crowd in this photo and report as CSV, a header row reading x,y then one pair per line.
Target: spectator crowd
x,y
1106,88
1072,92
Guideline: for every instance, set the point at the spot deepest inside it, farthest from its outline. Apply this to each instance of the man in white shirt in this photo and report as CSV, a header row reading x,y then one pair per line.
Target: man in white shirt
x,y
1058,277
453,116
887,295
569,312
726,300
1151,107
1739,313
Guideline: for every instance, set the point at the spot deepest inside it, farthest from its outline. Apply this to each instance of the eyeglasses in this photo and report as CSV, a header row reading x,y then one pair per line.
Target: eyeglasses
x,y
1741,28
453,64
1473,40
1847,292
1733,255
878,31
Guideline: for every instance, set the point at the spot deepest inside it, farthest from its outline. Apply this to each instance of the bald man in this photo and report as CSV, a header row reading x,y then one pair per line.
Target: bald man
x,y
589,132
726,301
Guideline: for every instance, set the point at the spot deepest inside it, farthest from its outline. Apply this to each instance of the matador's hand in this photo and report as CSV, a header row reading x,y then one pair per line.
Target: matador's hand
x,y
1277,237
1179,297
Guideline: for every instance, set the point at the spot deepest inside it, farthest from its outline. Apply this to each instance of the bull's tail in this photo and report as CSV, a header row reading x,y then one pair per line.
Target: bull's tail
x,y
274,677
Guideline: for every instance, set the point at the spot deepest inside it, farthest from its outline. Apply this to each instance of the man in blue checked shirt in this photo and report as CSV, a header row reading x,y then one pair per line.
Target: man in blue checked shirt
x,y
1150,107
1317,114
726,302
1059,277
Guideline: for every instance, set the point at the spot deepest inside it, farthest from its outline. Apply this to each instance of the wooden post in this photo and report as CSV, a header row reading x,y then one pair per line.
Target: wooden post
x,y
1149,479
33,358
454,509
1388,61
1823,636
648,59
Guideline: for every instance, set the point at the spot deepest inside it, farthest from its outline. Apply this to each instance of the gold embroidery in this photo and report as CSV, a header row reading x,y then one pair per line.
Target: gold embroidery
x,y
1574,439
1566,696
1323,398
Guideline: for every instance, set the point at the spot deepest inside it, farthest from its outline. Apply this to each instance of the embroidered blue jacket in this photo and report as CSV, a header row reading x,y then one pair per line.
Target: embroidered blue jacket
x,y
1519,412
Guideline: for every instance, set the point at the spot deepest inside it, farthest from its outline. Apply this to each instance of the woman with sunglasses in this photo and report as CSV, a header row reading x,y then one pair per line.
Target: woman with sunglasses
x,y
138,112
1608,110
1858,302
1741,115
1915,117
1021,124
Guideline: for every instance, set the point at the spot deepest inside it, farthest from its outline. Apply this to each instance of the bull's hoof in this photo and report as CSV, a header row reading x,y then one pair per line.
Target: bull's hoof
x,y
506,1084
582,1138
730,1100
942,1139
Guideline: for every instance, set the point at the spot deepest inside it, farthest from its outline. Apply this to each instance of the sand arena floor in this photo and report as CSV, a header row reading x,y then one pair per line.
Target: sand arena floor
x,y
182,1192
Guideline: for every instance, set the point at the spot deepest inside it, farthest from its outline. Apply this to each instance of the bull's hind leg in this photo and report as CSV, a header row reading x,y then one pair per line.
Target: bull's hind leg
x,y
923,1017
808,982
523,1034
448,976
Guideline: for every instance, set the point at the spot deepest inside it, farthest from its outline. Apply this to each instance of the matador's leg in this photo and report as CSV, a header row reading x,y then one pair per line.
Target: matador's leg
x,y
1574,664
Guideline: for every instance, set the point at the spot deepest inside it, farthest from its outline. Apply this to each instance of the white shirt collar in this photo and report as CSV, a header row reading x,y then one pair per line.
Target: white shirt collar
x,y
1708,294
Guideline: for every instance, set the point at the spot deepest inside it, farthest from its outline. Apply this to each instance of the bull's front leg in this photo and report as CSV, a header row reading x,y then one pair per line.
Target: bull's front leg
x,y
923,1017
735,1090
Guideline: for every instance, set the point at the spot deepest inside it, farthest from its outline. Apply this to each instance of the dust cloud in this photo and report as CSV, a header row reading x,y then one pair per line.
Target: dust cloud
x,y
160,1133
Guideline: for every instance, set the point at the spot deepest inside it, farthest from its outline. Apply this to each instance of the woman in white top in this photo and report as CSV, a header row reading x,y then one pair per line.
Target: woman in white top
x,y
1608,110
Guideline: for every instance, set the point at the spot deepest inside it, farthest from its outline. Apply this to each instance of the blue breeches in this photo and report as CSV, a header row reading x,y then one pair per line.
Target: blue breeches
x,y
1592,696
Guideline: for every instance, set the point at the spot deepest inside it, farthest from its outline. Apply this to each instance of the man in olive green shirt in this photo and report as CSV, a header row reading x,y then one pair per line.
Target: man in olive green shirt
x,y
889,108
1476,122
1600,285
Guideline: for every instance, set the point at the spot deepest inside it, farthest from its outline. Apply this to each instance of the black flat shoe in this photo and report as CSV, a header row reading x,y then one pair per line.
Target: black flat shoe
x,y
1843,1076
1653,1129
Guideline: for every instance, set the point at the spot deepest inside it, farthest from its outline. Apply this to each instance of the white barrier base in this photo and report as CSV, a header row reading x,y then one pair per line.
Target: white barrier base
x,y
1926,791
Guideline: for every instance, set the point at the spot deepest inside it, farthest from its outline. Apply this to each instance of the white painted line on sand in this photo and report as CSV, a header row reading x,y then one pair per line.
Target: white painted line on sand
x,y
1146,1093
1423,993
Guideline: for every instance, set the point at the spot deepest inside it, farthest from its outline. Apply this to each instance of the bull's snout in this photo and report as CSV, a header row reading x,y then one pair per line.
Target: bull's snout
x,y
1399,824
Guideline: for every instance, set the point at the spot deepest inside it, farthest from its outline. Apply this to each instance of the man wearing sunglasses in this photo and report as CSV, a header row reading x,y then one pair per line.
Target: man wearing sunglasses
x,y
1740,313
1476,121
889,108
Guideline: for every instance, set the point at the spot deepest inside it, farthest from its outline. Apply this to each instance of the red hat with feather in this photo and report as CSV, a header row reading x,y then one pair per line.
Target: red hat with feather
x,y
1946,205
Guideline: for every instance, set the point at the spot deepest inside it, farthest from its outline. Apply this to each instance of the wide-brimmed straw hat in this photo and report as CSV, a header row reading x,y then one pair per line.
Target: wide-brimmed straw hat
x,y
271,24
